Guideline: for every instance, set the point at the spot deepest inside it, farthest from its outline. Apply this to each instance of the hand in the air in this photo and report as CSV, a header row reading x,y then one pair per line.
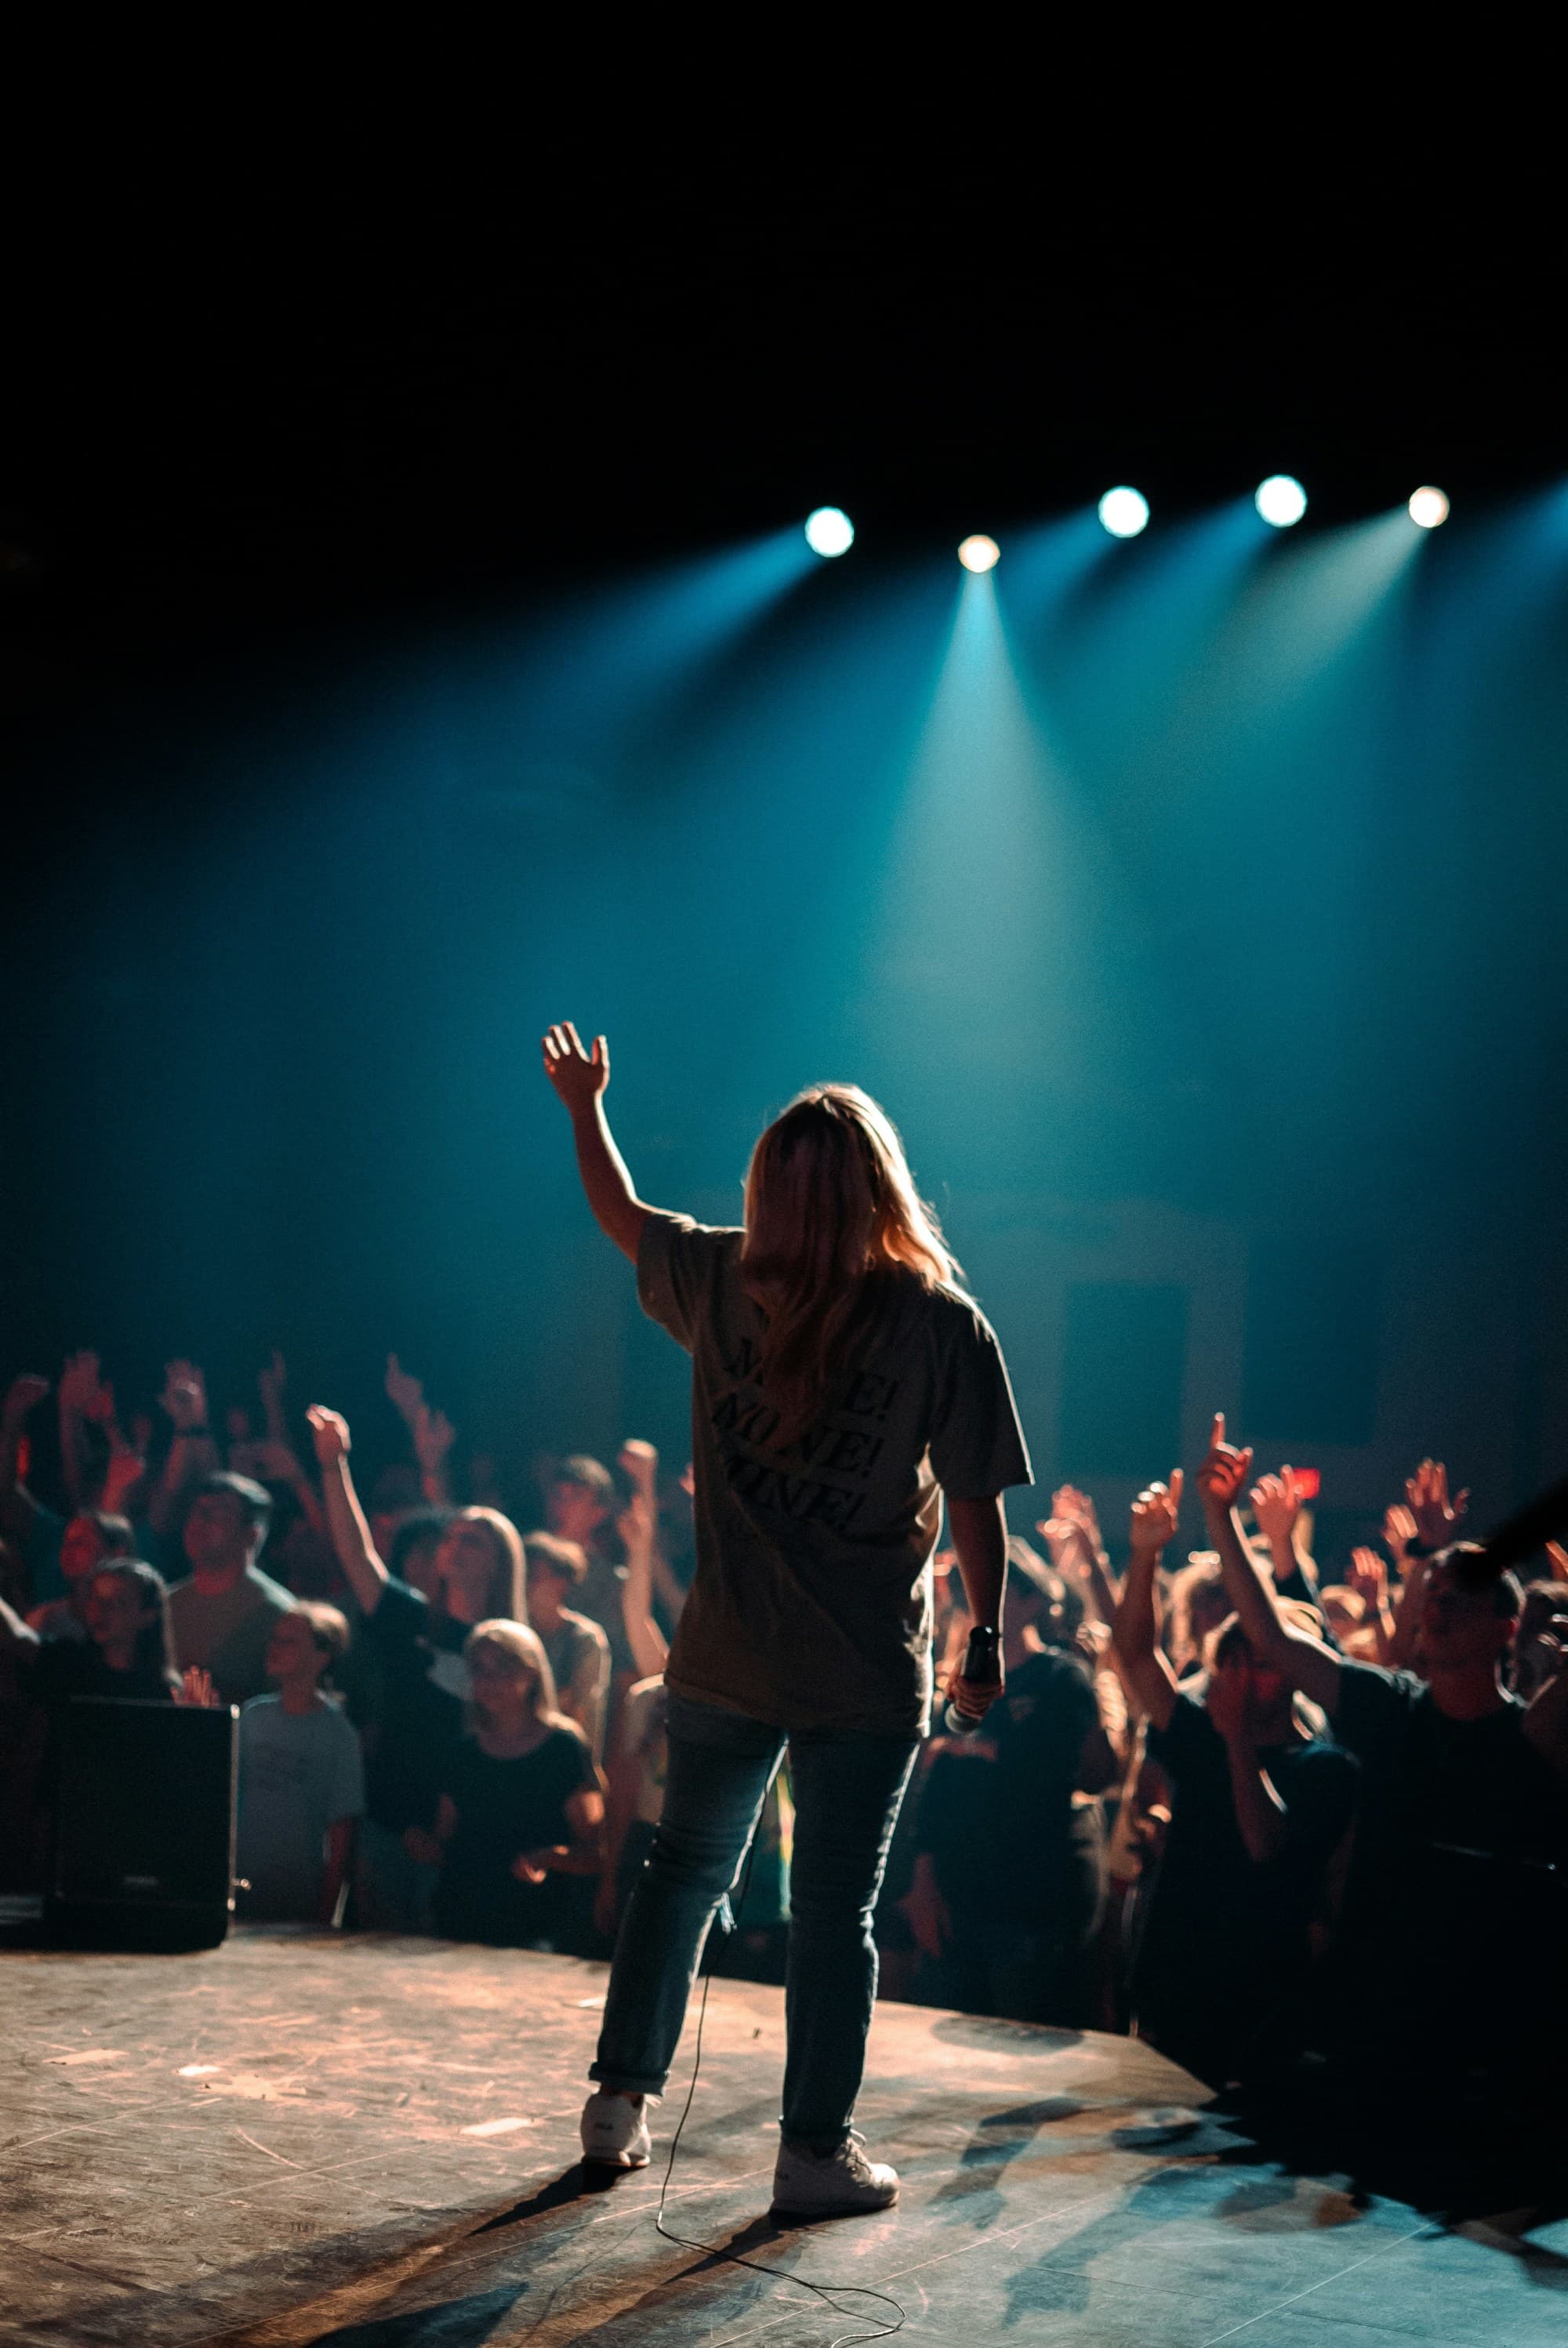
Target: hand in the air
x,y
579,1076
184,1396
23,1397
1276,1505
1155,1512
1438,1519
1222,1471
1368,1575
329,1432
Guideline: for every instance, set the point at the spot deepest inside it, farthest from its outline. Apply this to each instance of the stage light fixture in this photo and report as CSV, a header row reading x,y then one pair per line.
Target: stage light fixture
x,y
1428,507
1124,512
829,531
1281,501
980,553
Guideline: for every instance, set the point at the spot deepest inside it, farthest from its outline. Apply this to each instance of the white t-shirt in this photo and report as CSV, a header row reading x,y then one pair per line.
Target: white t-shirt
x,y
300,1773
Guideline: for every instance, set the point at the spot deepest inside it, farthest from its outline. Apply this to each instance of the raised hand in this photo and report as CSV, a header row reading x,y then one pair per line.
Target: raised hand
x,y
1438,1519
184,1396
1276,1505
1557,1561
329,1432
127,1466
1398,1532
406,1394
99,1407
1222,1471
196,1688
638,1525
23,1397
579,1076
639,1463
1155,1512
433,1435
1368,1574
80,1383
1077,1509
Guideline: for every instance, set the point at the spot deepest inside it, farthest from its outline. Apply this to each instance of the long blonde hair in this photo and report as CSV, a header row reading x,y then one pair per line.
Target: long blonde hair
x,y
508,1594
833,1221
520,1645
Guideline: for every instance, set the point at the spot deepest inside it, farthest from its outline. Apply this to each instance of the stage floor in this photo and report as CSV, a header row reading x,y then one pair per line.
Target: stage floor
x,y
299,2138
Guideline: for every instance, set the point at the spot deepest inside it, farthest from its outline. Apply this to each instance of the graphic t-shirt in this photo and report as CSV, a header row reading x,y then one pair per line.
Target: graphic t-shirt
x,y
300,1773
811,1603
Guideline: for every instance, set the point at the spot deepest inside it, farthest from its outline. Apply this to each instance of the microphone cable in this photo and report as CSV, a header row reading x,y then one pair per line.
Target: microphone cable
x,y
829,2293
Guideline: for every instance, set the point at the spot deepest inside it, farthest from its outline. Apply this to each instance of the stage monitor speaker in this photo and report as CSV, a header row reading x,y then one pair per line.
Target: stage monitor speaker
x,y
144,1826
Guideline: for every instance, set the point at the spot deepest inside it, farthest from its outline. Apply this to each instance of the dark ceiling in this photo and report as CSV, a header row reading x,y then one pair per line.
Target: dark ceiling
x,y
282,335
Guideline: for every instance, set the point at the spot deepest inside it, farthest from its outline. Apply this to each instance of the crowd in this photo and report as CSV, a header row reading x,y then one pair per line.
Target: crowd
x,y
1257,1816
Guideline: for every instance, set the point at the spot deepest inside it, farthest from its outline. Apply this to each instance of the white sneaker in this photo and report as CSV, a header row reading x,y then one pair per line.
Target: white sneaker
x,y
614,2131
833,2184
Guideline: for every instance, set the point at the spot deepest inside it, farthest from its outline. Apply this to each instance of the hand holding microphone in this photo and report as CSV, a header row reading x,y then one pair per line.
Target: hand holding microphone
x,y
981,1676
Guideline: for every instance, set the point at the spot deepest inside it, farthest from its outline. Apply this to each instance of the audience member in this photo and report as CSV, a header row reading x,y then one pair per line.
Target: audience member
x,y
1009,1874
1540,1644
519,1824
222,1614
57,1552
417,1636
1197,1605
578,1650
1316,1782
1452,1893
639,1754
1260,1806
90,1540
301,1788
124,1648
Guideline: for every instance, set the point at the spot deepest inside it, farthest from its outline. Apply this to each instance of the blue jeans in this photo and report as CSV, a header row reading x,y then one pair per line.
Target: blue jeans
x,y
847,1787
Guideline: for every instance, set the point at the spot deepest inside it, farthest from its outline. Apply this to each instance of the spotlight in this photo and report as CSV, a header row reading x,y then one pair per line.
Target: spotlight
x,y
980,553
1281,501
829,531
1124,512
1428,507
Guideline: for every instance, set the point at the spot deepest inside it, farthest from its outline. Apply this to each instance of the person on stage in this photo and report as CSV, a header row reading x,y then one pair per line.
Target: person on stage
x,y
842,1385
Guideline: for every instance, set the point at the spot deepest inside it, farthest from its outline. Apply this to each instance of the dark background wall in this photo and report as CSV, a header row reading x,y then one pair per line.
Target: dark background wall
x,y
403,639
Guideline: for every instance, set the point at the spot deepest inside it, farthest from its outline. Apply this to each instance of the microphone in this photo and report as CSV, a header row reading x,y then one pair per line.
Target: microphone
x,y
983,1665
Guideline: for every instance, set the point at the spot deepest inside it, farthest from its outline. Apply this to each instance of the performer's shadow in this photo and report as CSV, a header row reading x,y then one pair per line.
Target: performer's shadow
x,y
578,2183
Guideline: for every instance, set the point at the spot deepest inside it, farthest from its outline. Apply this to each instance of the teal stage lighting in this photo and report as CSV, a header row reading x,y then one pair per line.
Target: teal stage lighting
x,y
1124,512
1281,500
829,531
979,553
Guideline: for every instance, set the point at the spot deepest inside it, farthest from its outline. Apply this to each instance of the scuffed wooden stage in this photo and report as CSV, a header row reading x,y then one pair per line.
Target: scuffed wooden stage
x,y
294,2139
